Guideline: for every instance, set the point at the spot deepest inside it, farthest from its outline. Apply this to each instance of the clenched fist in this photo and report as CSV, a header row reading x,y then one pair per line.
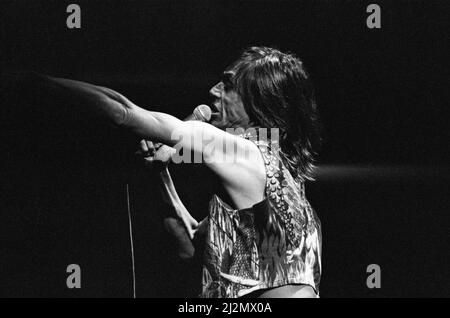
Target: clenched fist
x,y
155,154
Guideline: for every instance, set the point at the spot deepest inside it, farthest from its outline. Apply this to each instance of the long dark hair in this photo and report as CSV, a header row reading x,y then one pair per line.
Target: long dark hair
x,y
277,93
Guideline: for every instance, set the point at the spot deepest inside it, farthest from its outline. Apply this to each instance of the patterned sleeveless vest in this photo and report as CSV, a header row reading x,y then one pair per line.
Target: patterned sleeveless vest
x,y
276,242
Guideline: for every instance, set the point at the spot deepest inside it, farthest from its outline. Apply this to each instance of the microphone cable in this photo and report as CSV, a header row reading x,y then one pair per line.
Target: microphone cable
x,y
131,239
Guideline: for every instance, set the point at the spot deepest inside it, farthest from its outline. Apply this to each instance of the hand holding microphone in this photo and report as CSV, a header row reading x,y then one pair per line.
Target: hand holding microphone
x,y
157,152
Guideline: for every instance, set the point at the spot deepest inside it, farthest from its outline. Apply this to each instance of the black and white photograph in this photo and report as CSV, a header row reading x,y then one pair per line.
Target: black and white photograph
x,y
247,150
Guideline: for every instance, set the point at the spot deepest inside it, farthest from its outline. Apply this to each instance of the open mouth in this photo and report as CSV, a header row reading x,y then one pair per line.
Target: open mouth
x,y
215,111
215,108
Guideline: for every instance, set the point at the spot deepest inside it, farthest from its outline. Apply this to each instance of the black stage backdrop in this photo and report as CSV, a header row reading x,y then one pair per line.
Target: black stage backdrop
x,y
382,183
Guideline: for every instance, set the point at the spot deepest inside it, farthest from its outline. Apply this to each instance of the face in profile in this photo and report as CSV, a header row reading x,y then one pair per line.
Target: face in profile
x,y
227,106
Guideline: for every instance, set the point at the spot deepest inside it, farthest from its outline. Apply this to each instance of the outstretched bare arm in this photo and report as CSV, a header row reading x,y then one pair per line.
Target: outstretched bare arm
x,y
109,105
243,178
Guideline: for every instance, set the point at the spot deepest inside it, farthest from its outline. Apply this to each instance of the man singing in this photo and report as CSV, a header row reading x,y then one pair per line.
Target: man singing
x,y
266,240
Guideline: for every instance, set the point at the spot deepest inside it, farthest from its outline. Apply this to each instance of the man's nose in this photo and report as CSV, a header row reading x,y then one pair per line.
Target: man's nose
x,y
216,90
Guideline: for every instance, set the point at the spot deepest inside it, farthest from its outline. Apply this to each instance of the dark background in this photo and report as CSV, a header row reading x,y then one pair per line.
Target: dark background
x,y
381,189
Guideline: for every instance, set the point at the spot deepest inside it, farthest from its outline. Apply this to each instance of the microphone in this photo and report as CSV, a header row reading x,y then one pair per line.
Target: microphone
x,y
200,113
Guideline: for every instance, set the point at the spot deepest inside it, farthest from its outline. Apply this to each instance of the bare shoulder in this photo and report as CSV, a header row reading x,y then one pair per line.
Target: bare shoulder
x,y
239,164
237,161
